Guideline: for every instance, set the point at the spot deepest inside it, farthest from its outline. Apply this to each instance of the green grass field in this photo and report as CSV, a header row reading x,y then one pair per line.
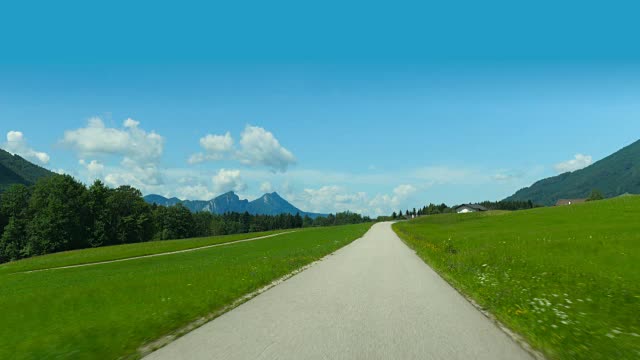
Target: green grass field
x,y
86,256
110,310
566,278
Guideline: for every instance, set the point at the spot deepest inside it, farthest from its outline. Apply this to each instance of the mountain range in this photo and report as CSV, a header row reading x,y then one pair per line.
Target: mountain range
x,y
267,204
617,174
16,170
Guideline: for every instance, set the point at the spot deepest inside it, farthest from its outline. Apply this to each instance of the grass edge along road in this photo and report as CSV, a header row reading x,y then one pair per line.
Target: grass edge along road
x,y
565,278
110,310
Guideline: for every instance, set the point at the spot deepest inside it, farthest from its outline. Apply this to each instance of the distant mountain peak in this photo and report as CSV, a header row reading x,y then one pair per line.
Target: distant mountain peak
x,y
228,195
272,198
267,204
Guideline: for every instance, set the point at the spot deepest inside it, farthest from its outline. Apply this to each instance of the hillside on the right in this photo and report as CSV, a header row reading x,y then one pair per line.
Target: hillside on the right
x,y
615,175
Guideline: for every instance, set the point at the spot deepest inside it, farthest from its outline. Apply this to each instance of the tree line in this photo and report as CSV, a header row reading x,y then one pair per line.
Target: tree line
x,y
430,209
443,208
508,205
59,213
178,222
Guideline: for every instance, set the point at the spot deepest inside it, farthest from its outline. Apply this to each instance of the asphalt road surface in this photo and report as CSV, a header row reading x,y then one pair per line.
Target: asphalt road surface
x,y
373,299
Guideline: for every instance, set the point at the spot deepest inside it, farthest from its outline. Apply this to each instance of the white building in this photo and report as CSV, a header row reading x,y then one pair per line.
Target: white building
x,y
469,208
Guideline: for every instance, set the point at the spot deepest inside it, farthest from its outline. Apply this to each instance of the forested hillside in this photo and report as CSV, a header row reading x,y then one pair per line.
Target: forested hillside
x,y
16,170
614,175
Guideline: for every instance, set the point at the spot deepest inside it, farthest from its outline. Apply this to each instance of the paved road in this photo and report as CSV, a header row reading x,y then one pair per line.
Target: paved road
x,y
373,299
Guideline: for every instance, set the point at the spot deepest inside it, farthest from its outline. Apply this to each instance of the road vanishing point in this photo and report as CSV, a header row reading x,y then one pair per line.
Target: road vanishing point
x,y
372,299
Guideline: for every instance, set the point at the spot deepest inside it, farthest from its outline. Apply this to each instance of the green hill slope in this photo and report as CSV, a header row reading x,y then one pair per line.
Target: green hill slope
x,y
8,177
16,170
614,175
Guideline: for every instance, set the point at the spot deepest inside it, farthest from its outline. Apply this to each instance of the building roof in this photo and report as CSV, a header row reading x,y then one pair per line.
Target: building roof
x,y
473,206
569,201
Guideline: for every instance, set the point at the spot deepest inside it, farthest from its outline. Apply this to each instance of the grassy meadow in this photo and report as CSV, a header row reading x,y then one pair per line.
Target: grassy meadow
x,y
110,310
106,253
566,278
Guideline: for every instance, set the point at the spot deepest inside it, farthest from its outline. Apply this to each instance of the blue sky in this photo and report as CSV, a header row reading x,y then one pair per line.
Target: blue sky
x,y
368,108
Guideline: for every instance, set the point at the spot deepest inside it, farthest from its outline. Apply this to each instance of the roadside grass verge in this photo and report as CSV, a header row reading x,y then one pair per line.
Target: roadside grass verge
x,y
565,278
117,252
109,310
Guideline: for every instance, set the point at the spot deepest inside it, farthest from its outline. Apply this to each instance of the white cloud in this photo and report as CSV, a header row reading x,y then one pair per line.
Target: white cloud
x,y
259,147
385,204
215,146
266,187
94,168
217,143
17,144
288,189
184,183
194,192
332,198
197,158
578,162
133,173
131,142
130,123
227,180
15,137
139,153
403,191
